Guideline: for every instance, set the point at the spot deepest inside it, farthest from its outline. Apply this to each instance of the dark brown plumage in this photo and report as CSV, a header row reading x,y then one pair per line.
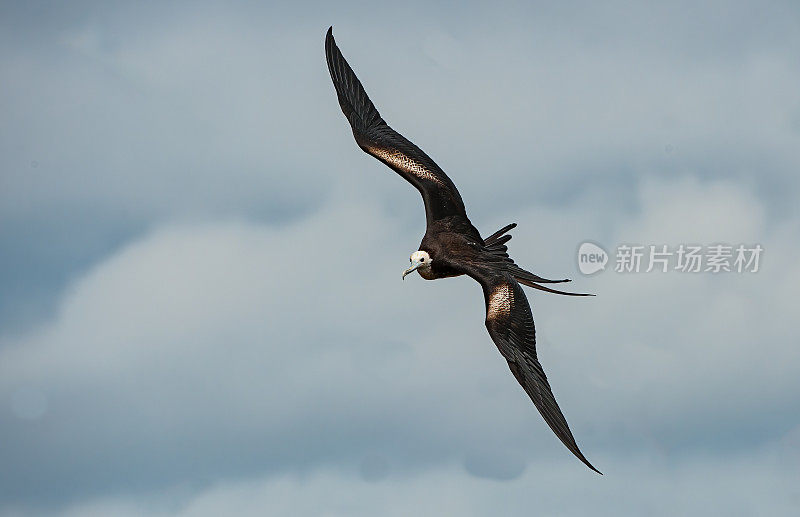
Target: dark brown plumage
x,y
454,246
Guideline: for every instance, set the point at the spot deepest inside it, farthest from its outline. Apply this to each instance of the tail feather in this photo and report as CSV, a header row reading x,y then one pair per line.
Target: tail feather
x,y
547,289
499,242
521,274
496,245
493,238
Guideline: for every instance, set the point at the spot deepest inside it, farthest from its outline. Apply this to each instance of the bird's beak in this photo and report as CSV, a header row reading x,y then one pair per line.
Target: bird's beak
x,y
414,266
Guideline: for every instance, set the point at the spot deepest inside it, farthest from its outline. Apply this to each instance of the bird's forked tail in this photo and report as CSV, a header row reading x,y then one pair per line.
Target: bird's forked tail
x,y
496,244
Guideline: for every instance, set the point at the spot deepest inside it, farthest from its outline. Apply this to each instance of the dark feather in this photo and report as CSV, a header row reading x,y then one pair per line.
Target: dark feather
x,y
493,238
495,245
510,324
375,137
455,245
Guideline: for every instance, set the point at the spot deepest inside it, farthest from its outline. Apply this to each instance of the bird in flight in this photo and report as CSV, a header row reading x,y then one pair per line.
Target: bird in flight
x,y
452,246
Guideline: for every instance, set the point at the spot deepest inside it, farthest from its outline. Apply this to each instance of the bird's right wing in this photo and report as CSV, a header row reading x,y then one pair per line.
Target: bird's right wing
x,y
375,137
510,324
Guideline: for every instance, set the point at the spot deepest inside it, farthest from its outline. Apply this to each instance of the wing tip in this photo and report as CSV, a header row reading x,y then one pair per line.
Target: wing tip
x,y
329,44
586,462
574,449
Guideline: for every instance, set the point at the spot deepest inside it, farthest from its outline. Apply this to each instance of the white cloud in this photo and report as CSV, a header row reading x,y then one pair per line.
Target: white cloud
x,y
222,350
739,486
267,364
220,112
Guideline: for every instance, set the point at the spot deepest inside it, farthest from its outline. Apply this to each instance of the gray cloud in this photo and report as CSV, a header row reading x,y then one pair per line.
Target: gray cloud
x,y
201,304
734,487
211,352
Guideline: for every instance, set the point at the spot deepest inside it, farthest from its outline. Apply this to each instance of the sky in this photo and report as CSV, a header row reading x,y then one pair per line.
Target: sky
x,y
201,310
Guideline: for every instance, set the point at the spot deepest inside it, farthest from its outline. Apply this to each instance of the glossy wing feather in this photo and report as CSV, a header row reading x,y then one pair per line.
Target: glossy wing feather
x,y
510,324
375,137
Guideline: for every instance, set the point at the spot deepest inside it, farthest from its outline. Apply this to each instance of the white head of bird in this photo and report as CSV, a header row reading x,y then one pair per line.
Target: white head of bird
x,y
420,262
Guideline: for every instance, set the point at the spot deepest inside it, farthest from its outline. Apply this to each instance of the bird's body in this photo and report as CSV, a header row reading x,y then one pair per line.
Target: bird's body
x,y
447,240
452,246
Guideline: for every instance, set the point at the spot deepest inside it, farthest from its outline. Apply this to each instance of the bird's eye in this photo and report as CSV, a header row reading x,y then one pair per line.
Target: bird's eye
x,y
422,259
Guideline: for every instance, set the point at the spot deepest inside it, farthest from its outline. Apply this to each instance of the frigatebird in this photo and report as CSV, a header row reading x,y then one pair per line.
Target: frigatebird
x,y
452,246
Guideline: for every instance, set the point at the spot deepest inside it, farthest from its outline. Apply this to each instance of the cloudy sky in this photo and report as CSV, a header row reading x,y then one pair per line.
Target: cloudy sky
x,y
201,310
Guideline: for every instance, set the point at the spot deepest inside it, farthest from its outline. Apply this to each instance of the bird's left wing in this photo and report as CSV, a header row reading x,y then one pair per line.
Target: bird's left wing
x,y
375,137
510,324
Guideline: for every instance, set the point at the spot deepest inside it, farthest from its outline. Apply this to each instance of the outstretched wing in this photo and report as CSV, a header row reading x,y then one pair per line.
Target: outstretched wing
x,y
510,324
375,137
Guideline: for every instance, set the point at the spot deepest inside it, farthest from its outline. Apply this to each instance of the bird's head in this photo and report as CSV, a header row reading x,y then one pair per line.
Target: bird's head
x,y
420,262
